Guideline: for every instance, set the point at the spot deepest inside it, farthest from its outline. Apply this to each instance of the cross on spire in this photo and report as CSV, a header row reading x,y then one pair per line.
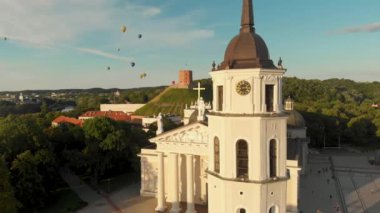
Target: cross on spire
x,y
199,88
247,17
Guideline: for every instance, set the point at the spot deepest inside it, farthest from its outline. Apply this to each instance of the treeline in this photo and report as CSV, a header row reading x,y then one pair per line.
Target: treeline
x,y
78,91
32,153
82,100
337,110
7,108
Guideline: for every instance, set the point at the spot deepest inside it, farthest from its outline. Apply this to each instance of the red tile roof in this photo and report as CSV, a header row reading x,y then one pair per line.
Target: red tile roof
x,y
64,119
115,115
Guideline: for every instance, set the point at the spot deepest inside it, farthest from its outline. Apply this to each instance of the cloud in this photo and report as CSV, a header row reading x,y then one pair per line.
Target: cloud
x,y
103,54
60,21
176,38
150,12
368,28
49,22
43,23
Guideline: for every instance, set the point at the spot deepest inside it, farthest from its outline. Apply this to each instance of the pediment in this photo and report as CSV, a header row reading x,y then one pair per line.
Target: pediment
x,y
193,133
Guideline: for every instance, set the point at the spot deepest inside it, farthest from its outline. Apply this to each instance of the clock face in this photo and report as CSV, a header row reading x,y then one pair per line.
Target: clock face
x,y
243,87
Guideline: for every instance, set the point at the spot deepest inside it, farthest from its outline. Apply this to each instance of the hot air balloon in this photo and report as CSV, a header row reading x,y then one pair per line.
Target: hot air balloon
x,y
118,49
5,38
143,75
140,36
133,64
123,29
108,68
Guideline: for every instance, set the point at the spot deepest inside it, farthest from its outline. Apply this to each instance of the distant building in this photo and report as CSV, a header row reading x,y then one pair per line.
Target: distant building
x,y
21,98
377,106
126,108
64,120
114,115
147,121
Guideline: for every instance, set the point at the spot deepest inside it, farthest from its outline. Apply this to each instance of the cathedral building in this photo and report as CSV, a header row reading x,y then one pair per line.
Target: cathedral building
x,y
245,154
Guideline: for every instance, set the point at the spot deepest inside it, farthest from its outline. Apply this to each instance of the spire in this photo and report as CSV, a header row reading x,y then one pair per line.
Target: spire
x,y
247,17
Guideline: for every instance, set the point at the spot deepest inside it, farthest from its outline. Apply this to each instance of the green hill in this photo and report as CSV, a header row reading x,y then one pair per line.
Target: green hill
x,y
174,101
334,109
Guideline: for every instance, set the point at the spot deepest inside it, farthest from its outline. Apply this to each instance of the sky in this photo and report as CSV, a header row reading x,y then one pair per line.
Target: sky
x,y
61,44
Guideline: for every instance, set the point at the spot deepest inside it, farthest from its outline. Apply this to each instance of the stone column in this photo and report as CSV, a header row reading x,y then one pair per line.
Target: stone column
x,y
160,183
262,95
175,202
190,184
142,163
276,97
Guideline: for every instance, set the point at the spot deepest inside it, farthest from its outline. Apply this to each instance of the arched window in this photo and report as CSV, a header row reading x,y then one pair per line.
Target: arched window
x,y
273,209
242,159
216,155
241,211
272,158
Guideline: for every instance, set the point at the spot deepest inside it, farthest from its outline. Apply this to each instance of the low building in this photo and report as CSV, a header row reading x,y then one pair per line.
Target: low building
x,y
126,108
117,115
66,120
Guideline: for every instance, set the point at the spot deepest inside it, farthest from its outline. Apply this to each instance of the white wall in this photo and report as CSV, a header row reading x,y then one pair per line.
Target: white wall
x,y
126,108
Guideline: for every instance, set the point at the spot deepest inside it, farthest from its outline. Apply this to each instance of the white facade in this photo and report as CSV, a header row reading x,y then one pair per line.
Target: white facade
x,y
245,117
258,192
236,160
176,170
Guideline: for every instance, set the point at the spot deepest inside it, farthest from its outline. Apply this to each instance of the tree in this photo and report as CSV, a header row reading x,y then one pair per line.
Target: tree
x,y
8,202
361,130
106,140
44,108
27,181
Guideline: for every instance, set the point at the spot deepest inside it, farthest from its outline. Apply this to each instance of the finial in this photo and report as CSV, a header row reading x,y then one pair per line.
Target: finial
x,y
279,63
247,17
213,66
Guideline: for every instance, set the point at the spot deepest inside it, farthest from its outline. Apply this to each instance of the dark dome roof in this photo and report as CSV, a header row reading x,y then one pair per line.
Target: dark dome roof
x,y
295,120
247,50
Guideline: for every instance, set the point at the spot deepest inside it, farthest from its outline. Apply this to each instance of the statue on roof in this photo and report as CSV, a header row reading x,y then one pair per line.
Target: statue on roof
x,y
279,64
160,124
201,109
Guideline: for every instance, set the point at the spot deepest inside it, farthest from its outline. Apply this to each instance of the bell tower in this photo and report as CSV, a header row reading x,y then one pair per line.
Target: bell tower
x,y
247,147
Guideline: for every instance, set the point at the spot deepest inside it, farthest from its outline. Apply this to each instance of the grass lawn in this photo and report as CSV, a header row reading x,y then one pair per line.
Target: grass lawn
x,y
65,200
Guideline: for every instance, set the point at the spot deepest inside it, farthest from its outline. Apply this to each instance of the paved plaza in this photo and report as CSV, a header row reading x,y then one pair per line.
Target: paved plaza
x,y
334,182
359,183
355,188
318,190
